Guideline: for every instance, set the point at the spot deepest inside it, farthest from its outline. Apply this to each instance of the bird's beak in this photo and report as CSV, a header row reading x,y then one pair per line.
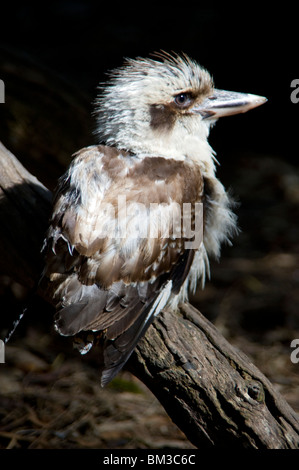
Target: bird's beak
x,y
225,103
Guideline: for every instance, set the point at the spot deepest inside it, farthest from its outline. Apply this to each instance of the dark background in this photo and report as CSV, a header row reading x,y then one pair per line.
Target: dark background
x,y
248,48
52,57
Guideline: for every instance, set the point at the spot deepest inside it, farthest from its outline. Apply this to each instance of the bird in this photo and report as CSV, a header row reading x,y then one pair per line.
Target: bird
x,y
137,216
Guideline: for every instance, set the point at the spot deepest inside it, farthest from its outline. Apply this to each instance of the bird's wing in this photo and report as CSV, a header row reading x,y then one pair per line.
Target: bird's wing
x,y
112,260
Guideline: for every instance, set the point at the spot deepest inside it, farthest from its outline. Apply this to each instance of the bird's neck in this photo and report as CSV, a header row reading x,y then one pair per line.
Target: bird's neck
x,y
189,148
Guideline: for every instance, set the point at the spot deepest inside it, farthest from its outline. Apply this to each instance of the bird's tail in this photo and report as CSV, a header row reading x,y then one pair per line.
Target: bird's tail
x,y
118,351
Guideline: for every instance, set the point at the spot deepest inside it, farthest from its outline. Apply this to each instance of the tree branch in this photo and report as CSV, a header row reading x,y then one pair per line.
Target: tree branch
x,y
210,389
25,206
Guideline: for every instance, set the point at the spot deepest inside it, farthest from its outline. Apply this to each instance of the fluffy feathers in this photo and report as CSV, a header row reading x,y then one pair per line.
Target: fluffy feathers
x,y
116,251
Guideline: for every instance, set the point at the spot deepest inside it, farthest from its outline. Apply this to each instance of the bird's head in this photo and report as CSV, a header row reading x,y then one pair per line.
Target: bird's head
x,y
164,106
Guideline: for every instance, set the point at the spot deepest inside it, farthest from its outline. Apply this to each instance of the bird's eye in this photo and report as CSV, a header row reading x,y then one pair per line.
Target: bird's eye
x,y
182,99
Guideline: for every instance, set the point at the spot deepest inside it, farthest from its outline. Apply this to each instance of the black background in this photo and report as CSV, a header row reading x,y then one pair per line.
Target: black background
x,y
247,47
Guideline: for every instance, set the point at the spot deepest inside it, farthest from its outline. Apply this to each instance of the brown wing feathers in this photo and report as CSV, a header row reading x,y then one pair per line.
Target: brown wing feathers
x,y
145,272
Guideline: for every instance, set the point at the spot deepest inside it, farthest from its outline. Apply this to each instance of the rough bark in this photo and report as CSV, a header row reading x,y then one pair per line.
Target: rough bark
x,y
210,389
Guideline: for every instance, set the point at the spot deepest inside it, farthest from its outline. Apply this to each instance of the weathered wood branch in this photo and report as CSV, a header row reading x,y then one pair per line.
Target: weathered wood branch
x,y
210,389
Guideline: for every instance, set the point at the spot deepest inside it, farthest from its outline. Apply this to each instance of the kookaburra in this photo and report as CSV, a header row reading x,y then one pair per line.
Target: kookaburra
x,y
136,217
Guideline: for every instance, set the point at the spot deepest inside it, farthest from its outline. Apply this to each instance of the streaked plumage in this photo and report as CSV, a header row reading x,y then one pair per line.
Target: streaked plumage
x,y
106,275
